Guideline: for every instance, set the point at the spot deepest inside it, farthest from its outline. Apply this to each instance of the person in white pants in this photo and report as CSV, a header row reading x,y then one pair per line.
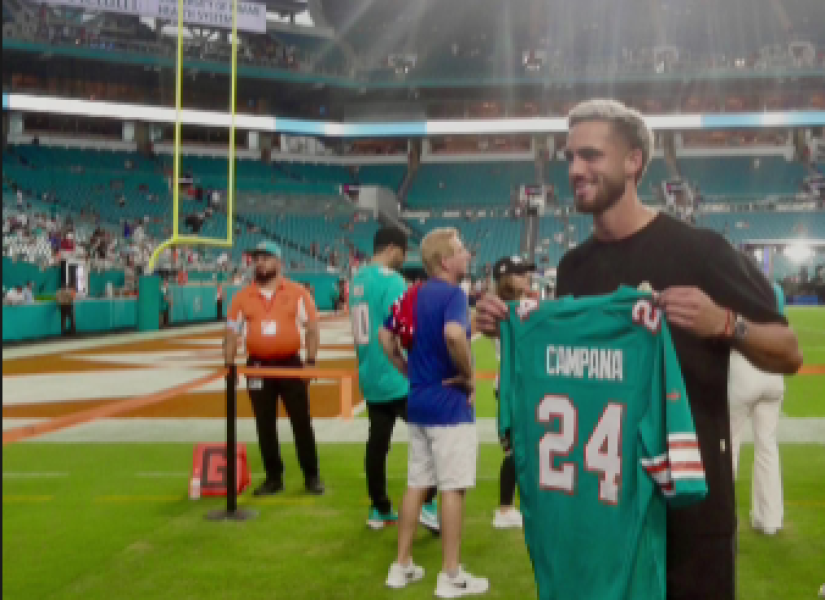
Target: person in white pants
x,y
754,393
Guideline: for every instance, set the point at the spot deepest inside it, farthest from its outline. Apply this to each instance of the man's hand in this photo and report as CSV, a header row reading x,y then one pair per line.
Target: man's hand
x,y
460,381
691,309
490,312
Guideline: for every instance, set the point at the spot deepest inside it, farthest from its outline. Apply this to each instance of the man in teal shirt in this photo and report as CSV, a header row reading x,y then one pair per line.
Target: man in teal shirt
x,y
375,288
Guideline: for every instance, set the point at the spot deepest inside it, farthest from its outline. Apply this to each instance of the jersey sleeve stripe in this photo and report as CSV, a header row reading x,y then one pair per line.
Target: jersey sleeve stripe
x,y
649,462
683,446
681,437
685,456
661,468
684,475
687,467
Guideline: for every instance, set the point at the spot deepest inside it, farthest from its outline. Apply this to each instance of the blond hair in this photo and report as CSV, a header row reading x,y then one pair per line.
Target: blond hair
x,y
435,247
627,122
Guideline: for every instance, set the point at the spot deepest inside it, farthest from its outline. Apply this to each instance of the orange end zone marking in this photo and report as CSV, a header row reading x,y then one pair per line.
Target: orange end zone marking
x,y
811,370
302,373
346,398
110,410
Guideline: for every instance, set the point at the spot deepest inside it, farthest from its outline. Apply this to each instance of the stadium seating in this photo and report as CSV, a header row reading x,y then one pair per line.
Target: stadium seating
x,y
459,185
741,177
488,239
317,173
654,176
577,228
741,227
83,179
90,179
385,176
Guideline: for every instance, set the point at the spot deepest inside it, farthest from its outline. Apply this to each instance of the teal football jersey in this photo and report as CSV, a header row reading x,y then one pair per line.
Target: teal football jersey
x,y
373,291
603,439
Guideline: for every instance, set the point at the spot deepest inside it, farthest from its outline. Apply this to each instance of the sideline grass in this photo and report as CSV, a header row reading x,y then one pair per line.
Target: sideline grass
x,y
99,531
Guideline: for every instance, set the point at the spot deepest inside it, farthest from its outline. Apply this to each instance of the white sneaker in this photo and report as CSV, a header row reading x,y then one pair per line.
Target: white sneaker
x,y
508,519
766,530
399,576
463,584
758,526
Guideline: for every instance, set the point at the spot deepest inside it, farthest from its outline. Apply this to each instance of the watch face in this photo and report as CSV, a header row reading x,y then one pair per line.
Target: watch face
x,y
740,329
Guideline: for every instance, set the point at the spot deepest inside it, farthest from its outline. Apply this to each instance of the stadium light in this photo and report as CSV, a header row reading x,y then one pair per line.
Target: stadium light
x,y
798,253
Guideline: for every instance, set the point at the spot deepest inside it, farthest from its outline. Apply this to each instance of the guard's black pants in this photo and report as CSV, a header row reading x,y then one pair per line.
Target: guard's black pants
x,y
67,313
294,393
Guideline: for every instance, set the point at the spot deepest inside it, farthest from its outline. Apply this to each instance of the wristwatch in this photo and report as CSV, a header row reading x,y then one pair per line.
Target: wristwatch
x,y
740,328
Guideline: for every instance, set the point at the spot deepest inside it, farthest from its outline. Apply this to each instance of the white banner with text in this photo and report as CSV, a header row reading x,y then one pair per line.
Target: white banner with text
x,y
207,13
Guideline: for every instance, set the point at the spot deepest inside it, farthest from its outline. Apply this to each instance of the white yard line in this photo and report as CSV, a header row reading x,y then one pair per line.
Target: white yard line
x,y
33,475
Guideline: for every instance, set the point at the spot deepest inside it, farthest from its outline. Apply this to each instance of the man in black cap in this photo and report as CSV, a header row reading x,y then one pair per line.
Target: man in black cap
x,y
512,278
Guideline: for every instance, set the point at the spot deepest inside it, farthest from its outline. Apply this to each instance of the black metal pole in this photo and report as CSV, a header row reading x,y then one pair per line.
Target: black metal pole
x,y
232,512
231,440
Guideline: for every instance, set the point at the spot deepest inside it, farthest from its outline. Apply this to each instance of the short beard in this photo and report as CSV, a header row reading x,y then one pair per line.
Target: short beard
x,y
265,277
610,194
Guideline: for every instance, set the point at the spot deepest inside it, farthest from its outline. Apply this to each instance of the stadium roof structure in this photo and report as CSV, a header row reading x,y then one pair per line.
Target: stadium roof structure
x,y
488,30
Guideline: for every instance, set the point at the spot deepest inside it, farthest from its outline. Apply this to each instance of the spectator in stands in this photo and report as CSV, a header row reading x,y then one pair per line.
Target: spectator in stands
x,y
165,303
130,275
55,241
67,244
22,221
14,297
28,293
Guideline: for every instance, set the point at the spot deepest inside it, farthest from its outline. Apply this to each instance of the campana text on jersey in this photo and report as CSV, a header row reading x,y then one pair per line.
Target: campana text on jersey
x,y
592,363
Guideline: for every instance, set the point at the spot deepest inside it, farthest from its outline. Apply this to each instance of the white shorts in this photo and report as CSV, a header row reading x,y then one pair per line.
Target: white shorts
x,y
443,456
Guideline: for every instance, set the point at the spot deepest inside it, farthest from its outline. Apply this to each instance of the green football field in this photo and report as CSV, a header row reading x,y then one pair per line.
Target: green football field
x,y
102,521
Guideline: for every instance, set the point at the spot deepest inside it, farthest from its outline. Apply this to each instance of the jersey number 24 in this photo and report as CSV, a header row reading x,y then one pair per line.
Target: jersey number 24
x,y
602,454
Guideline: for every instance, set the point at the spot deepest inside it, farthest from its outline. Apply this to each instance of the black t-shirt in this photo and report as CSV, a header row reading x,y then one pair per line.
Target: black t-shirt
x,y
670,253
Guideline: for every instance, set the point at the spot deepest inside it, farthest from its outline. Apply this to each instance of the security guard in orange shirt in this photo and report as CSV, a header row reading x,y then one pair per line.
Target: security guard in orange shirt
x,y
273,309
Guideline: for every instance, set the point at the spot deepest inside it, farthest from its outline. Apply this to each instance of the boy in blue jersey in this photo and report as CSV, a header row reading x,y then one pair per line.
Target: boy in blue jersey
x,y
443,444
375,288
